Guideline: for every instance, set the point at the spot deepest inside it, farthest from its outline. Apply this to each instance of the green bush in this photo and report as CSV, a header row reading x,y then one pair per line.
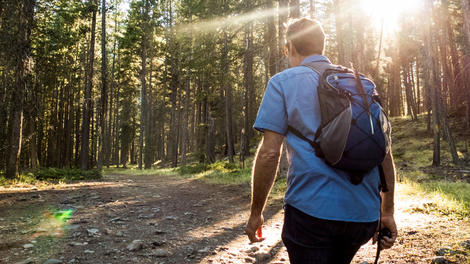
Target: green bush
x,y
192,169
67,174
202,167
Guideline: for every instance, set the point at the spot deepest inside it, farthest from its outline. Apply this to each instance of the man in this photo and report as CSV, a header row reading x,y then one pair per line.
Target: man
x,y
327,218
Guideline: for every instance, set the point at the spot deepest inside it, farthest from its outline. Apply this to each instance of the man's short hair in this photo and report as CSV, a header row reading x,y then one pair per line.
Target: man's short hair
x,y
306,35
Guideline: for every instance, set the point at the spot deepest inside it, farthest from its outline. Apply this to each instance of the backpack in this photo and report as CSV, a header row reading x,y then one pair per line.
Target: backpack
x,y
354,134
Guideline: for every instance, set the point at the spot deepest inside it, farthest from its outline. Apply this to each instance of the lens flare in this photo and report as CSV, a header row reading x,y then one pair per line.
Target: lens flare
x,y
52,224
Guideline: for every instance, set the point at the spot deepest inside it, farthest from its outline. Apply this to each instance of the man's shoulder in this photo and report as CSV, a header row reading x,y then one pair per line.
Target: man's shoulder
x,y
292,73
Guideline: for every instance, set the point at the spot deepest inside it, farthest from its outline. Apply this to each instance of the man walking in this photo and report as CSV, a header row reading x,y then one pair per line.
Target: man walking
x,y
327,218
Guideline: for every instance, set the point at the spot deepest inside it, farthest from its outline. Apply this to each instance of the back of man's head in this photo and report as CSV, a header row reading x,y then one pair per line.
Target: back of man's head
x,y
306,35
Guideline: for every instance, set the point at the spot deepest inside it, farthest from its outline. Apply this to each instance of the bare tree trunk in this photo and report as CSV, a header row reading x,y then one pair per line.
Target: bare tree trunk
x,y
162,125
85,141
271,39
430,67
339,32
228,102
312,9
102,148
466,21
143,108
283,9
247,85
110,132
149,138
210,141
294,9
186,100
116,114
23,82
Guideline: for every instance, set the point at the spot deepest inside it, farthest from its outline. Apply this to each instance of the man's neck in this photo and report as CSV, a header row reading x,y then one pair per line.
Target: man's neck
x,y
297,59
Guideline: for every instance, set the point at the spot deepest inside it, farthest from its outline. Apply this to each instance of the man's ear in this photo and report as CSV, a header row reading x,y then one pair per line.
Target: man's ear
x,y
292,49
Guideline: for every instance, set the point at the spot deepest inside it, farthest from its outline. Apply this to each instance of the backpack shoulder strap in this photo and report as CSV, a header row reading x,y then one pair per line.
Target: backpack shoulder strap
x,y
319,67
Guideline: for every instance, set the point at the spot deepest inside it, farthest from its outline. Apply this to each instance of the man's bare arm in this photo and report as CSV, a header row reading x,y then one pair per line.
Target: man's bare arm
x,y
387,210
264,173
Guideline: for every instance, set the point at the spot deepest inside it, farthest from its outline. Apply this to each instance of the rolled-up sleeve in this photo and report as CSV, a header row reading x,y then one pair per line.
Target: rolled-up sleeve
x,y
272,114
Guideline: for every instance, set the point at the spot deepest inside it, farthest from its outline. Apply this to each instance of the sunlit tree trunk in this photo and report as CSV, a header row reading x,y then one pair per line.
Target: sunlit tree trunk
x,y
294,9
228,102
247,85
339,31
466,21
283,10
430,83
271,39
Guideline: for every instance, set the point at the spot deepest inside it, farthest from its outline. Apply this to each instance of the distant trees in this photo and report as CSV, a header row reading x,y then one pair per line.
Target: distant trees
x,y
180,80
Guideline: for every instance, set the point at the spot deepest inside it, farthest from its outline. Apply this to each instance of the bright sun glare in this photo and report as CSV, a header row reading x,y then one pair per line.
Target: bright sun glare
x,y
391,10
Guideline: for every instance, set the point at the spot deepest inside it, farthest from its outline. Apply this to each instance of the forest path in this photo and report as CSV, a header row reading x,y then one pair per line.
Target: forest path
x,y
166,219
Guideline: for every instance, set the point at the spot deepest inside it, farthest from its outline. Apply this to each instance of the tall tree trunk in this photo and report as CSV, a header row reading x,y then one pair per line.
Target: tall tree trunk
x,y
149,137
85,141
110,132
102,148
271,39
162,125
466,21
312,9
186,99
22,81
228,101
283,9
117,138
143,109
339,32
294,9
210,140
430,67
247,83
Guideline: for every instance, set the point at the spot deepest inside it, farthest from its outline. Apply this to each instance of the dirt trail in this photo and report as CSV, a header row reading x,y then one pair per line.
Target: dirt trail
x,y
166,219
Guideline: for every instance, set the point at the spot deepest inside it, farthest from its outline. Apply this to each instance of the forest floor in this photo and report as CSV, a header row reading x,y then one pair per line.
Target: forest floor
x,y
127,218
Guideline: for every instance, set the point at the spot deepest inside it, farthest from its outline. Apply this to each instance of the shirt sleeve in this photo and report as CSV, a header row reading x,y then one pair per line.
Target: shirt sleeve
x,y
272,114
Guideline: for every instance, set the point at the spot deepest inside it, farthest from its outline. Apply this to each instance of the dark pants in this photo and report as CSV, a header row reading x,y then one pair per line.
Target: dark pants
x,y
317,241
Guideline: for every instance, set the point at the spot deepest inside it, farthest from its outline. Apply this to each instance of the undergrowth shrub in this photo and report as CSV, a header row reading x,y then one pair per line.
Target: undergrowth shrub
x,y
67,174
202,167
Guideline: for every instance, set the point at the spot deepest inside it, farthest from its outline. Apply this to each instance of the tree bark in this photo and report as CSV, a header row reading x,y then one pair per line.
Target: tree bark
x,y
85,141
228,102
466,21
247,85
186,99
339,31
430,67
22,82
283,10
110,132
271,39
102,148
294,9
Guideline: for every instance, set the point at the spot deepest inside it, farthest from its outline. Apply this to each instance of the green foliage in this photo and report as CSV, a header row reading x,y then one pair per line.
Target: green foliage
x,y
192,169
202,167
439,197
65,174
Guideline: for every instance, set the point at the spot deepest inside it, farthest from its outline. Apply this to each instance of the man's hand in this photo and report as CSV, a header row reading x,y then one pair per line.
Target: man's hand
x,y
387,242
254,229
264,173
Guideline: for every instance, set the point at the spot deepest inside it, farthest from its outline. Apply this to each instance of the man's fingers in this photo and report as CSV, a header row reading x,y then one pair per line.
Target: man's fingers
x,y
252,235
259,232
387,243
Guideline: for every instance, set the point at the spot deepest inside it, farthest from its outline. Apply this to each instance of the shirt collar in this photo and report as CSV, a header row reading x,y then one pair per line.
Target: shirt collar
x,y
316,58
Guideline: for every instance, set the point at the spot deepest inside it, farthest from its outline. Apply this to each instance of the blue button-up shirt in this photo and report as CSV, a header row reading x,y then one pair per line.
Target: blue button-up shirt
x,y
313,186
